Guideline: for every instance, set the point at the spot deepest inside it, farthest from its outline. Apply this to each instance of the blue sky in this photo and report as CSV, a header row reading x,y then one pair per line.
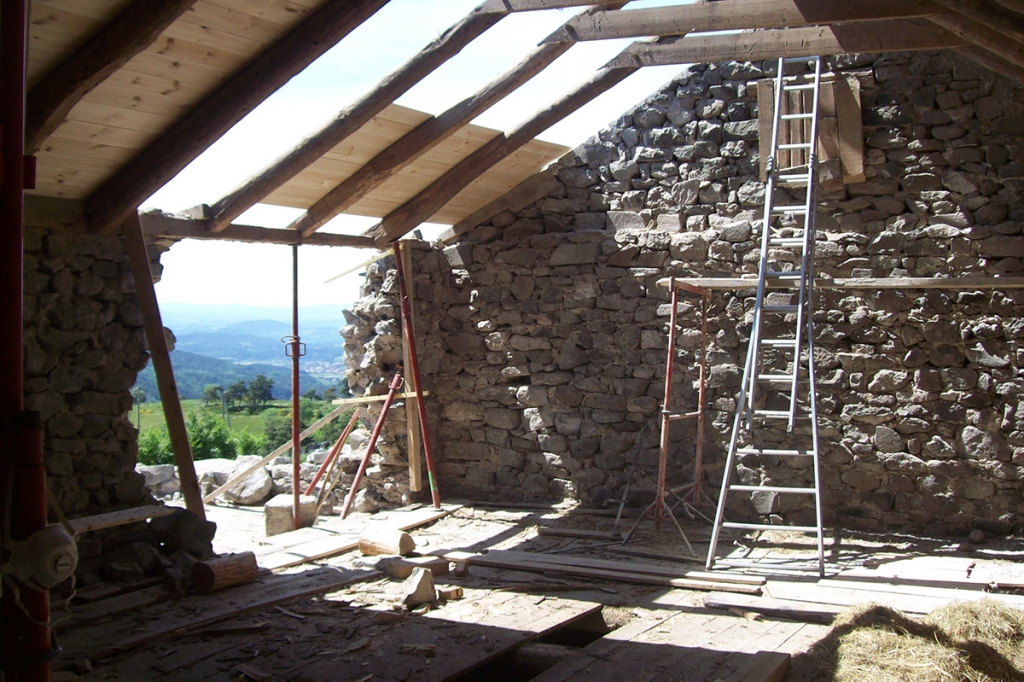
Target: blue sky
x,y
258,274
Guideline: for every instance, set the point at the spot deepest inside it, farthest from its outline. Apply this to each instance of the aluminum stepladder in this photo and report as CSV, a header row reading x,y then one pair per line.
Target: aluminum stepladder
x,y
777,396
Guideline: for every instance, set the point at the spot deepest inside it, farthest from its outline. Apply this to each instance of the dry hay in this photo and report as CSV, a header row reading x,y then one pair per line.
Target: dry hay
x,y
979,641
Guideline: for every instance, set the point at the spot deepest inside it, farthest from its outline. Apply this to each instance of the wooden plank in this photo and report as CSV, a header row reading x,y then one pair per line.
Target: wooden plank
x,y
775,608
956,283
138,259
629,567
413,444
850,122
157,224
764,666
209,120
231,603
732,15
974,33
134,30
765,116
434,197
891,36
113,606
332,546
577,533
597,574
655,554
241,476
353,118
120,518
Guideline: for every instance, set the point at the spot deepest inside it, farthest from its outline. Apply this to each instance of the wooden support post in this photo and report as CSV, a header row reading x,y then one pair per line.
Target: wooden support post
x,y
412,421
138,259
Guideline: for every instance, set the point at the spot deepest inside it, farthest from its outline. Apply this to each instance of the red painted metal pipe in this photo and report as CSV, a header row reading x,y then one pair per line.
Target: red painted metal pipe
x,y
414,368
396,383
334,451
296,423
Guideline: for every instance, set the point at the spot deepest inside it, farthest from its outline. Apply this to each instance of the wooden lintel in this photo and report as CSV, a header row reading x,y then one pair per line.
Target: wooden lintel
x,y
353,117
901,35
440,192
138,260
205,123
990,14
982,36
735,15
156,224
868,283
131,32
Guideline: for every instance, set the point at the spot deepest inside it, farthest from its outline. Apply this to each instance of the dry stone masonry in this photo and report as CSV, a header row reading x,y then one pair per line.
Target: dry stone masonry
x,y
542,332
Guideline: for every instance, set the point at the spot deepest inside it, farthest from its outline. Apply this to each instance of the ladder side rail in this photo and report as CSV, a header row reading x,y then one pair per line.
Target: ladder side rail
x,y
806,259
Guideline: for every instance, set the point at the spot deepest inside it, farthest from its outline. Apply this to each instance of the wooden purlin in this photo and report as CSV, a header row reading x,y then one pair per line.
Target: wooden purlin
x,y
735,15
157,225
192,134
131,32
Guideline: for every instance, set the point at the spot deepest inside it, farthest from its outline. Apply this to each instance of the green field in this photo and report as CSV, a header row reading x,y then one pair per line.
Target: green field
x,y
152,415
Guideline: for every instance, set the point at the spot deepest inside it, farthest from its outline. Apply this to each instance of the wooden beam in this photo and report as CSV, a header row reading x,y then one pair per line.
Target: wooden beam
x,y
131,32
138,259
156,224
993,63
121,517
412,418
205,123
982,36
1013,5
878,283
990,14
426,136
902,35
533,188
533,5
353,117
445,188
734,15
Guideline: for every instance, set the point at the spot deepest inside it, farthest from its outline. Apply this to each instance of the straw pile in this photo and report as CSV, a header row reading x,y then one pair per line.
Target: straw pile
x,y
980,641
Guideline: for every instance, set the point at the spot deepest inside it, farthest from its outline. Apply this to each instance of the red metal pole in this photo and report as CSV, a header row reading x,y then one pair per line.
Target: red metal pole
x,y
296,425
414,369
396,383
334,451
26,637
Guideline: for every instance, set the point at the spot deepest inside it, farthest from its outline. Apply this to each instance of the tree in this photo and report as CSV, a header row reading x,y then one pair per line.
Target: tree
x,y
310,395
236,393
209,437
330,394
212,394
261,391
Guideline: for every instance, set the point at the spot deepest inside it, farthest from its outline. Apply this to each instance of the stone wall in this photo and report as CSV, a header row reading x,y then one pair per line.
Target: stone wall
x,y
542,332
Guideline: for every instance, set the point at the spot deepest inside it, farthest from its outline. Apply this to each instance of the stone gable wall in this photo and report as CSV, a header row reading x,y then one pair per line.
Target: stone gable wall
x,y
542,332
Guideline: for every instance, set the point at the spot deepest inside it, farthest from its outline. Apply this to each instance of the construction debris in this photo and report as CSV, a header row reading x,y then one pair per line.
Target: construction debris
x,y
380,539
418,588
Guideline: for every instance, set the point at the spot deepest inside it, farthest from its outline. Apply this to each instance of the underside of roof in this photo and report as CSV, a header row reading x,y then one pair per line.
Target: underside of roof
x,y
123,94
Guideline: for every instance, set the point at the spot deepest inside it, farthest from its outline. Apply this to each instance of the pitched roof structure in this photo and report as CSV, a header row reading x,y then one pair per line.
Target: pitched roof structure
x,y
124,94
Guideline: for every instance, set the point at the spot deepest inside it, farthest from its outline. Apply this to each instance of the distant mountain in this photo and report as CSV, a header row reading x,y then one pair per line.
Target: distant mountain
x,y
252,334
193,372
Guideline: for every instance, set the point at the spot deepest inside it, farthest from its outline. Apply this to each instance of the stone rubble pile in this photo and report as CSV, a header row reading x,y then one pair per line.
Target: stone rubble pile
x,y
542,332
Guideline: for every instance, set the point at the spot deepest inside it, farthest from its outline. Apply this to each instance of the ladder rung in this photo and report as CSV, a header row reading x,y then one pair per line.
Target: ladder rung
x,y
795,145
792,178
775,453
789,209
791,117
779,343
684,415
786,241
776,378
780,308
768,526
784,274
804,86
778,414
773,489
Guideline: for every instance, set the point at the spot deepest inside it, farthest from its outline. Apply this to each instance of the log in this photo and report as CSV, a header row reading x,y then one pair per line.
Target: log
x,y
736,15
891,36
131,32
377,539
156,224
425,204
226,105
225,571
354,117
138,259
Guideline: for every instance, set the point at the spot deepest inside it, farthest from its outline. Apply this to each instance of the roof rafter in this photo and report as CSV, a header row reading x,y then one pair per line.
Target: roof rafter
x,y
735,15
353,117
1013,5
156,224
991,14
441,191
193,133
993,63
131,32
982,36
892,36
531,5
427,135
